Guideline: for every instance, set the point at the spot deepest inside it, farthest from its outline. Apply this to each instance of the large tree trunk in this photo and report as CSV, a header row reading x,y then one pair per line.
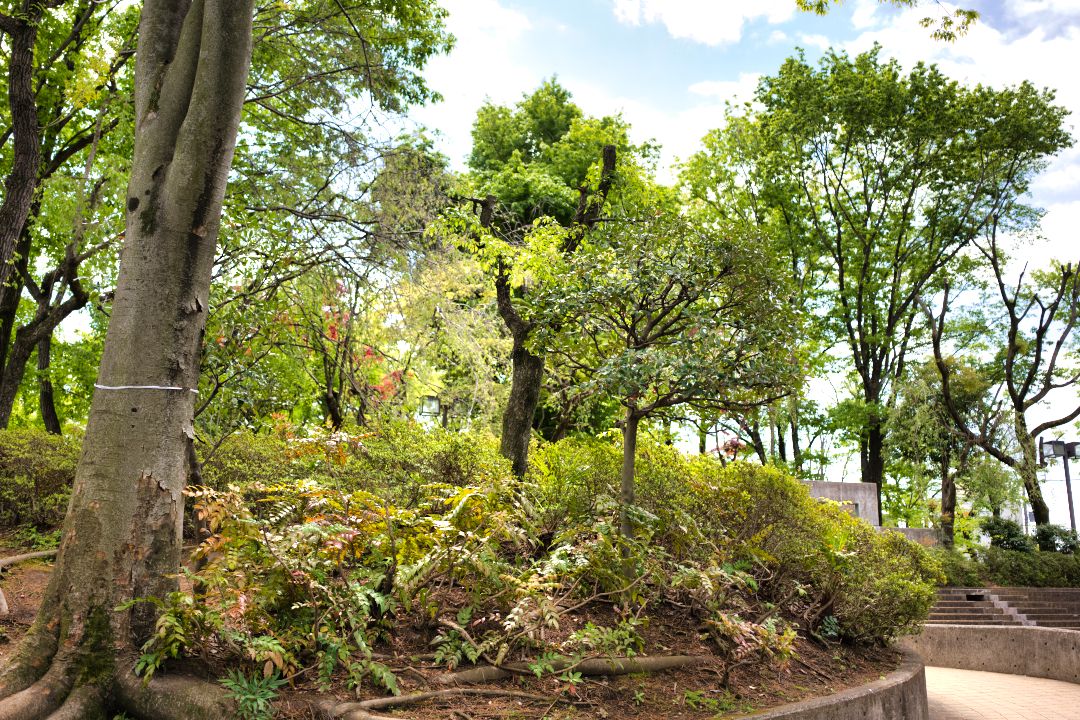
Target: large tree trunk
x,y
122,533
1027,469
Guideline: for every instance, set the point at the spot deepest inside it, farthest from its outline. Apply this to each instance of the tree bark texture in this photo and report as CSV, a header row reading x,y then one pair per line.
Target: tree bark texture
x,y
528,369
525,384
21,181
46,400
122,534
873,459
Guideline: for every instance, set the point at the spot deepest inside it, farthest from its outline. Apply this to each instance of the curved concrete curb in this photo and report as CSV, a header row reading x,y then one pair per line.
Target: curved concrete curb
x,y
900,695
1034,651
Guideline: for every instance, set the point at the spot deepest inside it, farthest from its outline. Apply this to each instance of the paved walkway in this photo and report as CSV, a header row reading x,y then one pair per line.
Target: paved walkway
x,y
972,695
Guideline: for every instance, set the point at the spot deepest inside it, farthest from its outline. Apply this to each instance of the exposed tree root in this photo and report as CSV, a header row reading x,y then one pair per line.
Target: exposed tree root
x,y
588,667
57,696
41,699
333,710
29,663
13,560
84,703
173,698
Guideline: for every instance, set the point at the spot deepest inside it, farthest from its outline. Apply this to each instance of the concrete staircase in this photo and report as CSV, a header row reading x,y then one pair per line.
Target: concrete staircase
x,y
1044,607
969,606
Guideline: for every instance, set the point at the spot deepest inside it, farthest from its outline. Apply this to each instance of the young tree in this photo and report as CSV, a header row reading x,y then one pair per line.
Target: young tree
x,y
925,444
889,177
1033,360
534,162
659,312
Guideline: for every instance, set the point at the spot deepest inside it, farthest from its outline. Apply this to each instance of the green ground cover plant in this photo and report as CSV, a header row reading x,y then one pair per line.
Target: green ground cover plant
x,y
322,548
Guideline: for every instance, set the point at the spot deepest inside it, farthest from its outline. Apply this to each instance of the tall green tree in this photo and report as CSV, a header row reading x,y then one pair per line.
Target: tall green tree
x,y
889,177
1035,342
542,159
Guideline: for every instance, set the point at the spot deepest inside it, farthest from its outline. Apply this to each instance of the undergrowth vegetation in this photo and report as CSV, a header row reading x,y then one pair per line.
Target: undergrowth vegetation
x,y
36,472
317,549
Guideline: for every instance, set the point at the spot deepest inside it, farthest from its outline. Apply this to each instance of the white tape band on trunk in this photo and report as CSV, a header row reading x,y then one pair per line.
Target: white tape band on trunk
x,y
143,387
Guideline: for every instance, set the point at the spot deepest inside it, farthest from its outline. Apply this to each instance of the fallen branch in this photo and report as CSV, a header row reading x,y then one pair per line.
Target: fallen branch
x,y
14,560
589,667
329,708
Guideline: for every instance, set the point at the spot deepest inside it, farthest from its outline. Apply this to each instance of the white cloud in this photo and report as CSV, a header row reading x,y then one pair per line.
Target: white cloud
x,y
733,90
483,65
865,14
711,22
819,41
1026,8
777,36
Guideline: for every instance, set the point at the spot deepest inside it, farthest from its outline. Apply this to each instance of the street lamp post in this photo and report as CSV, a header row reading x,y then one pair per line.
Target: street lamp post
x,y
1065,451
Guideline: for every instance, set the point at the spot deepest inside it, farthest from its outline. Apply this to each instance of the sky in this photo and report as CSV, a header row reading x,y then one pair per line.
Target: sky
x,y
669,66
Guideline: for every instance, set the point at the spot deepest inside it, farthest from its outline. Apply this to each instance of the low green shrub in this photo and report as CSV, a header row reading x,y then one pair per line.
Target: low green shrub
x,y
876,585
36,473
959,569
1007,535
1054,538
997,566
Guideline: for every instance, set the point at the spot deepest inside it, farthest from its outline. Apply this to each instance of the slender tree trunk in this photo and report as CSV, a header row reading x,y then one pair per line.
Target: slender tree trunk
x,y
122,534
626,484
1027,469
528,369
10,294
753,430
948,502
873,458
525,384
332,402
46,401
781,443
796,448
22,349
39,330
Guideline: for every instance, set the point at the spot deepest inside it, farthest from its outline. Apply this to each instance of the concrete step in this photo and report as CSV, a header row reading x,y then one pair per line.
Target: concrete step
x,y
973,617
976,621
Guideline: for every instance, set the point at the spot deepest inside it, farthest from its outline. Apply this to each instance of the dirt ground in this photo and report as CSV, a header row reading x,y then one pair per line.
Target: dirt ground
x,y
691,693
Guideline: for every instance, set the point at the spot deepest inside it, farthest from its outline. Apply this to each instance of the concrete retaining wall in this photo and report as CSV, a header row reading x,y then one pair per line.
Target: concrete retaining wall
x,y
1035,651
900,695
859,498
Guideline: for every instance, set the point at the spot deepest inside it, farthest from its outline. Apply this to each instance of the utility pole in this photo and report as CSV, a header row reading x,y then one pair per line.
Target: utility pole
x,y
1065,451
